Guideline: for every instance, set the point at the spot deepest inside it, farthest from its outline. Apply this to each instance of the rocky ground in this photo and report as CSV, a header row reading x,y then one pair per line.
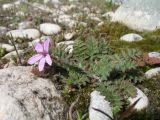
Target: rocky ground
x,y
123,23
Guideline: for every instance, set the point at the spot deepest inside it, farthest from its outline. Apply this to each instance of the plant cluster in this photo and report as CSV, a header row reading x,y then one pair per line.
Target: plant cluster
x,y
94,64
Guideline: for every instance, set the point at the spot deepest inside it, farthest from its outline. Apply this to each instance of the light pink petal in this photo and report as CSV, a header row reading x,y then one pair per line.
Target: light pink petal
x,y
46,45
35,58
39,47
41,64
48,59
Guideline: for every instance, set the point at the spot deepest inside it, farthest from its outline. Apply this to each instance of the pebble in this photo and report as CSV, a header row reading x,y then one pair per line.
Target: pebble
x,y
49,28
154,54
25,25
98,101
7,47
143,102
13,53
28,33
131,37
69,36
152,72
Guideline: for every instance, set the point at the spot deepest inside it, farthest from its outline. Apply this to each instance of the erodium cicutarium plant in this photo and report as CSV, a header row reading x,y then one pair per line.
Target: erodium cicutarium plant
x,y
42,57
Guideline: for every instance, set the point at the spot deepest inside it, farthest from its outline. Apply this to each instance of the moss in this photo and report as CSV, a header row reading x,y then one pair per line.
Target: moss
x,y
2,52
115,30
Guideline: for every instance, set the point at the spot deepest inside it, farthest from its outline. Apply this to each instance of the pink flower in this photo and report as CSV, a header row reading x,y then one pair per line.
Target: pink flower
x,y
42,55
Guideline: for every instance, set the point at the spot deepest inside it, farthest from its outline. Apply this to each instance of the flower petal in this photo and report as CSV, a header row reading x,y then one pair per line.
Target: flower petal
x,y
41,64
35,58
39,47
48,59
46,45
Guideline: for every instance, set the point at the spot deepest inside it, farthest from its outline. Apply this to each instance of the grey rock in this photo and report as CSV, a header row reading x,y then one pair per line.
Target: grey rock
x,y
98,101
26,97
131,37
141,15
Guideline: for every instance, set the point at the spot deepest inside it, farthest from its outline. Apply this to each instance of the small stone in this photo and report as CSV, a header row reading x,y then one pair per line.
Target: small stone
x,y
131,37
83,24
154,54
7,47
66,21
28,33
108,15
13,53
152,72
142,103
3,30
68,44
49,28
101,23
34,42
68,36
8,6
25,25
98,102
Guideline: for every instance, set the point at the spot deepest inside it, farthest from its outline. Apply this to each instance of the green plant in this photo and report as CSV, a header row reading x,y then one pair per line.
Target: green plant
x,y
95,64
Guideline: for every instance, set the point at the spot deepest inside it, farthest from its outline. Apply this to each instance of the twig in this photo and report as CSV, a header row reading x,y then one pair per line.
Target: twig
x,y
103,113
71,108
128,111
12,41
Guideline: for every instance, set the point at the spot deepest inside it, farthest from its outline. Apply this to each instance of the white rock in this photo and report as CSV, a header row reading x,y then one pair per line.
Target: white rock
x,y
108,15
83,24
52,1
42,7
154,54
26,97
95,19
66,20
13,53
7,47
29,33
69,36
68,44
143,102
20,13
34,42
141,15
101,23
98,101
3,30
131,37
49,28
8,6
152,72
25,25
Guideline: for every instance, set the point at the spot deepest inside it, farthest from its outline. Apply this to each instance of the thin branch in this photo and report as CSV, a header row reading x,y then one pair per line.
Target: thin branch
x,y
128,111
12,42
71,108
103,113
